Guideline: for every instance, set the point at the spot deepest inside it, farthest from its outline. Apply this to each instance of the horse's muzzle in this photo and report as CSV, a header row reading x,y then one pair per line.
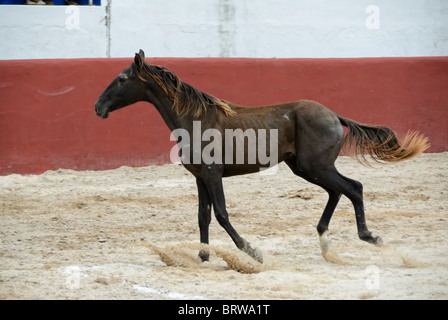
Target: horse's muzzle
x,y
101,111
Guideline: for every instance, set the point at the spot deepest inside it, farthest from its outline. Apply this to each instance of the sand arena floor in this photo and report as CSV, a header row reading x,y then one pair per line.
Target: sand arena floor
x,y
132,233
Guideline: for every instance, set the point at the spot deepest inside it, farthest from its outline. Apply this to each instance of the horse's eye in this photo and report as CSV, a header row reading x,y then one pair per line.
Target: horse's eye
x,y
123,78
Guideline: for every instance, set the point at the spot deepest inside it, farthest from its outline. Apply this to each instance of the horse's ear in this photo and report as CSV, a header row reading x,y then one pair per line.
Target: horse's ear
x,y
141,54
139,59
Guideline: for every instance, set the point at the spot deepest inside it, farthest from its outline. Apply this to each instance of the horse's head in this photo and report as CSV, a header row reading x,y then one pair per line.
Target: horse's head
x,y
127,88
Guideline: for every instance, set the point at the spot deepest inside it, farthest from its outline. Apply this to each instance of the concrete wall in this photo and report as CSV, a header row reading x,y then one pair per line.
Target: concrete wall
x,y
227,28
46,32
46,106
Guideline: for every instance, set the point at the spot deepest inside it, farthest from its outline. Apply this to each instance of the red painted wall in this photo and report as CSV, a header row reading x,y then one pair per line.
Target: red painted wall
x,y
47,118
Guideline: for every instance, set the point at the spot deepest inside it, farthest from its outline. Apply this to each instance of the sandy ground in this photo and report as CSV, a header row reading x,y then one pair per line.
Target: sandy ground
x,y
132,233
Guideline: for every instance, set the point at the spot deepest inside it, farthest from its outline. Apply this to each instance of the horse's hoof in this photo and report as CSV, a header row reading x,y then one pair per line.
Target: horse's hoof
x,y
204,255
254,253
324,242
378,241
370,239
258,255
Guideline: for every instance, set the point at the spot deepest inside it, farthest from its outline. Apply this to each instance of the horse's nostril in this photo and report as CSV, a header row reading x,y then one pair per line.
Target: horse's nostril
x,y
97,110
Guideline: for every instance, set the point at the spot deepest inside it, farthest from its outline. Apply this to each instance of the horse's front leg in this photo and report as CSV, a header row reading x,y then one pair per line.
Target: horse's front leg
x,y
204,216
213,180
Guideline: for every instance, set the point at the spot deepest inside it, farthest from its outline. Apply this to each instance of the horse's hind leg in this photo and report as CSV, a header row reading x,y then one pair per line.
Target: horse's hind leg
x,y
332,179
317,148
322,226
333,200
336,184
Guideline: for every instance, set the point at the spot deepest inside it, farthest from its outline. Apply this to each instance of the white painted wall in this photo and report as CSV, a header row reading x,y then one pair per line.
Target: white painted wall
x,y
227,28
38,32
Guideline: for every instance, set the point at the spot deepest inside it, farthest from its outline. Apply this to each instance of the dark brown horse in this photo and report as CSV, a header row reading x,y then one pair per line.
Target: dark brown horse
x,y
309,138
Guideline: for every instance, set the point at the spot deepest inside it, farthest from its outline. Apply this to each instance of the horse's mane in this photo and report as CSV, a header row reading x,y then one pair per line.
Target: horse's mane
x,y
187,101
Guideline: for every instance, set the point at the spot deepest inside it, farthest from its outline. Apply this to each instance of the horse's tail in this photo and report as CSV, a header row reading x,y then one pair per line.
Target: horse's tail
x,y
381,143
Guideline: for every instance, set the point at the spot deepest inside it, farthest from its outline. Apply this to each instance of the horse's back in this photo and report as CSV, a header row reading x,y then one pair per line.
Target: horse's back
x,y
307,110
304,124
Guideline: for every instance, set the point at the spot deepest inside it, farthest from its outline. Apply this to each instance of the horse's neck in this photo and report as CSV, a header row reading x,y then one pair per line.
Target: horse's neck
x,y
164,105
